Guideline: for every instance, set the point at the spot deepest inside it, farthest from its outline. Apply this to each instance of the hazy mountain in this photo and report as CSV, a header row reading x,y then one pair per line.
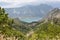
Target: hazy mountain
x,y
51,27
29,13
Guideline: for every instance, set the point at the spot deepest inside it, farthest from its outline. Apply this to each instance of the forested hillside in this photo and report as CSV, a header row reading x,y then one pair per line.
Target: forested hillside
x,y
6,28
49,29
46,29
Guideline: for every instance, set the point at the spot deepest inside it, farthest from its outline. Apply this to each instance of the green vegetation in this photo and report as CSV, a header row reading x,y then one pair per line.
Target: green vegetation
x,y
6,26
21,26
49,30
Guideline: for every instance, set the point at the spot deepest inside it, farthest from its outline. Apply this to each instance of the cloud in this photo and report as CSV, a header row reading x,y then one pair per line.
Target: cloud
x,y
52,0
16,3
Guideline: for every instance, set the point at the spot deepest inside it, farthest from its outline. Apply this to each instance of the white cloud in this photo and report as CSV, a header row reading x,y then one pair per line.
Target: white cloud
x,y
14,3
17,1
52,0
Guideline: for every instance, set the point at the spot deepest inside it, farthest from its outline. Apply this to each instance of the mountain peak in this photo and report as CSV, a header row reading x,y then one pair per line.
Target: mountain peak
x,y
55,13
56,9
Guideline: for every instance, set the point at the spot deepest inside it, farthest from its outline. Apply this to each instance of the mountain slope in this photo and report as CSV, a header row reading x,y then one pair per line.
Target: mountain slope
x,y
21,26
49,30
6,30
29,12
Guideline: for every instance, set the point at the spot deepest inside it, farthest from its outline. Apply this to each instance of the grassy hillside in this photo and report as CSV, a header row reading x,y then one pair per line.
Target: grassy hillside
x,y
5,26
48,30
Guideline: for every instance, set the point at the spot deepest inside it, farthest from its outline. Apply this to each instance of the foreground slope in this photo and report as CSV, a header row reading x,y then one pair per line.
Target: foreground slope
x,y
49,29
6,29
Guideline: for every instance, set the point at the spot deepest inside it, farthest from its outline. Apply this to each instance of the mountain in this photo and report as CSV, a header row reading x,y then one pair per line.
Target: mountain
x,y
7,32
54,14
21,26
49,29
29,13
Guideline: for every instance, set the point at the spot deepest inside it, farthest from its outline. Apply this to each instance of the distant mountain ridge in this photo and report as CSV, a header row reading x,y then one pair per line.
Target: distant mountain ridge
x,y
29,12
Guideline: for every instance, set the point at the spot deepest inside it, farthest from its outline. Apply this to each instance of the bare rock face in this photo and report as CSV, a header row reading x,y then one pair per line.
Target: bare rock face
x,y
53,16
55,13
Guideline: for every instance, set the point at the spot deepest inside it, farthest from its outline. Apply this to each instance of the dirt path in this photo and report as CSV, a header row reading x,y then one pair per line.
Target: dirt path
x,y
30,33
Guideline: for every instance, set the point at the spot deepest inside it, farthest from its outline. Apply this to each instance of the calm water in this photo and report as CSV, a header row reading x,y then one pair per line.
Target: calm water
x,y
30,19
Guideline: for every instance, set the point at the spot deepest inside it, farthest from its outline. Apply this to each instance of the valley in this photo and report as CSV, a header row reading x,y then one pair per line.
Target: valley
x,y
46,28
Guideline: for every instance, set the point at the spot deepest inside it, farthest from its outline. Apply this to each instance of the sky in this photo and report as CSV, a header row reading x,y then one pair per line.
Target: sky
x,y
17,3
